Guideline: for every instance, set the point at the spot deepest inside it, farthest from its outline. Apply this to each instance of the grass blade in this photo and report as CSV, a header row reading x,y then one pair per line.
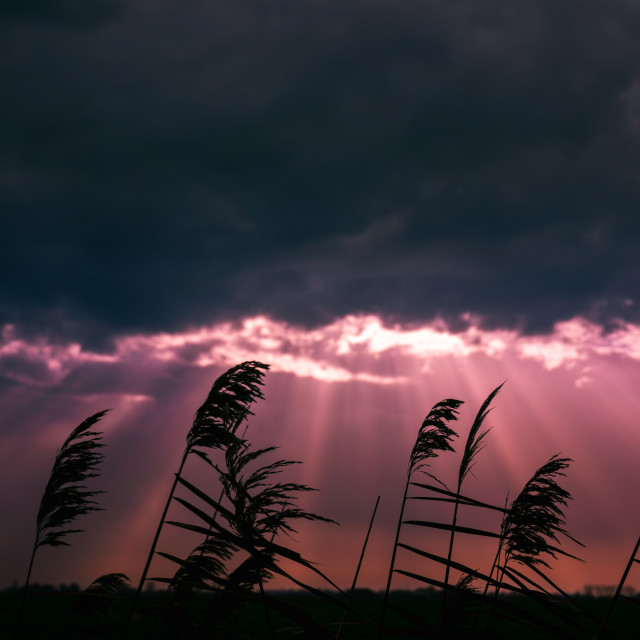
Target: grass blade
x,y
448,527
355,577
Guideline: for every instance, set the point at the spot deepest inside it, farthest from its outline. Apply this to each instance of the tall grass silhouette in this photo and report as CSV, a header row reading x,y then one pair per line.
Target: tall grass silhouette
x,y
474,444
533,520
625,574
259,509
214,426
244,535
434,437
65,497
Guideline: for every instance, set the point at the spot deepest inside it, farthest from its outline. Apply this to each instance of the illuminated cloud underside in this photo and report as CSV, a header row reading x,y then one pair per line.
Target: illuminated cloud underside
x,y
351,348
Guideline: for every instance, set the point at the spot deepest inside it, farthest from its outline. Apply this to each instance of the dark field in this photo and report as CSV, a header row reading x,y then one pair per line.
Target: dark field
x,y
54,614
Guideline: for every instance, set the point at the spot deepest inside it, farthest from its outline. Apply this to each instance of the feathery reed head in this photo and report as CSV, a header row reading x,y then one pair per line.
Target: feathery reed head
x,y
227,405
434,434
475,443
261,507
537,514
109,583
205,566
65,498
97,599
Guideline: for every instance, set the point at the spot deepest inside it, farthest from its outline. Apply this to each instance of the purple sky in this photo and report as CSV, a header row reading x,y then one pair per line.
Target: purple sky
x,y
346,400
391,202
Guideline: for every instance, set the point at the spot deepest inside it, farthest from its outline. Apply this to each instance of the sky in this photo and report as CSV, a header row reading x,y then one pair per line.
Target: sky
x,y
389,202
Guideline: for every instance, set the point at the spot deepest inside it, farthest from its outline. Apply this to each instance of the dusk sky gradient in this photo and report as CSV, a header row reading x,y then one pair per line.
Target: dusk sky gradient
x,y
389,202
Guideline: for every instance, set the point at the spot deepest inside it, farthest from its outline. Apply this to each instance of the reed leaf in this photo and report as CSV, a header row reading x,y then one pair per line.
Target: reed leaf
x,y
420,578
449,527
522,615
499,604
464,569
205,498
471,502
550,601
576,606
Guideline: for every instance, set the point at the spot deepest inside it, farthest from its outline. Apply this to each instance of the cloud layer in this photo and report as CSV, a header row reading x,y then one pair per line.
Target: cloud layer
x,y
353,348
163,167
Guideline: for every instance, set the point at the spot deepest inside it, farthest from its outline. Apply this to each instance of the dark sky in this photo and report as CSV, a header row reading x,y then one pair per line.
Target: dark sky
x,y
353,171
170,164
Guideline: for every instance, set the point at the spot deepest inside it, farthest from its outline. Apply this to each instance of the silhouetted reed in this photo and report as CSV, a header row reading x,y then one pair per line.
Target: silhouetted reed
x,y
625,574
434,437
474,444
214,426
257,509
65,497
244,540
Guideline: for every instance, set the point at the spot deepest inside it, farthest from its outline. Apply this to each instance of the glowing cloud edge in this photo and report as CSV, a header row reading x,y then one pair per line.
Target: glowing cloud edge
x,y
354,347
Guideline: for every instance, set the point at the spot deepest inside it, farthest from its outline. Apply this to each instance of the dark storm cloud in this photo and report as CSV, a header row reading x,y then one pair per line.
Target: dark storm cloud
x,y
174,166
61,13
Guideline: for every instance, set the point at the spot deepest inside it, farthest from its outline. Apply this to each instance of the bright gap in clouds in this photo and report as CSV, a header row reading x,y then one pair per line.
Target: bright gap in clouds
x,y
347,399
351,348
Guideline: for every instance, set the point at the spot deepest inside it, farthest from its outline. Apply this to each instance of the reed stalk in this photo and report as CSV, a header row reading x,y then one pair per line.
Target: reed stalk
x,y
535,517
434,437
357,573
65,497
474,444
623,579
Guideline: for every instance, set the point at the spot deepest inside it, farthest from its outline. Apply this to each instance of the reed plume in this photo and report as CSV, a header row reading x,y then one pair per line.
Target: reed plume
x,y
533,520
214,427
97,600
537,515
474,444
257,509
434,437
65,497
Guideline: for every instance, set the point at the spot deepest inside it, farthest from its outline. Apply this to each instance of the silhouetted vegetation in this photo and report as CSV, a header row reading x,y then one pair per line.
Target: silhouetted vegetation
x,y
218,589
